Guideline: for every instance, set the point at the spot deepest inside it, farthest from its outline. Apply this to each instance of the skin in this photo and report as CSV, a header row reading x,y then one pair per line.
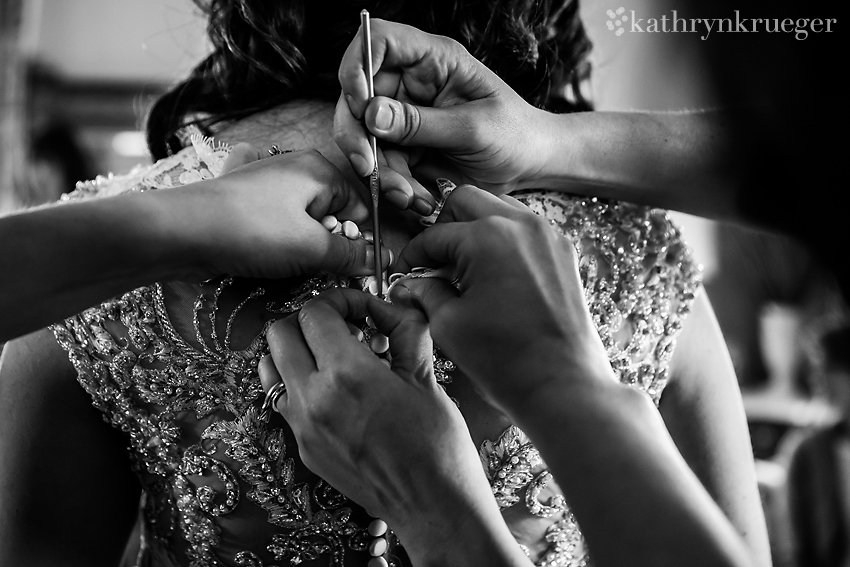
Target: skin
x,y
261,220
335,383
33,368
67,494
661,516
302,125
445,109
441,105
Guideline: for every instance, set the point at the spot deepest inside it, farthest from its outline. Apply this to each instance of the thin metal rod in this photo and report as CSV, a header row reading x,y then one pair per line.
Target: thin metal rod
x,y
375,177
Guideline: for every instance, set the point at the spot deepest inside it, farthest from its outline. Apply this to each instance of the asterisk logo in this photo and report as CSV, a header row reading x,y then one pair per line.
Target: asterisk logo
x,y
616,21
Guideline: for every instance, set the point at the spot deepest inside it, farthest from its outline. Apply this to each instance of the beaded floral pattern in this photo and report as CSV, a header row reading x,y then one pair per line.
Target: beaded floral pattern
x,y
223,487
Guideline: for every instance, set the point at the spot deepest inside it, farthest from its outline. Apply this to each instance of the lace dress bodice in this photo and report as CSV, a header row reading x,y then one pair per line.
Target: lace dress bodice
x,y
174,366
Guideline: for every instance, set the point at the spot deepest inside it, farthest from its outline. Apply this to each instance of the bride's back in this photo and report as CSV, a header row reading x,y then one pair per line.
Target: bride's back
x,y
173,365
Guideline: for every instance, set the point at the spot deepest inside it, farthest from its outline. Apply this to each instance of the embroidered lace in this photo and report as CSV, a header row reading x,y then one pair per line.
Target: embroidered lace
x,y
174,367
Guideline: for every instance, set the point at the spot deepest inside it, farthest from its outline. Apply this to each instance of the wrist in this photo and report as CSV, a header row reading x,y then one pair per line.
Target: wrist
x,y
178,235
469,534
575,380
554,150
582,152
572,367
448,515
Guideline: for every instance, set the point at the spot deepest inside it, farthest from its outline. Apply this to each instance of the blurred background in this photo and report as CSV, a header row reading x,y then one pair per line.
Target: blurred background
x,y
79,75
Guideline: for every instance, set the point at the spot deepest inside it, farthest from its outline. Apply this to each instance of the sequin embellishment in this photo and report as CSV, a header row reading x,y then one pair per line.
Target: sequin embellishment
x,y
177,374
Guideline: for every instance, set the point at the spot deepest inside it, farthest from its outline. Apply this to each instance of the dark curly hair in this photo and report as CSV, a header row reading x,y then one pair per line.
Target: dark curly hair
x,y
267,52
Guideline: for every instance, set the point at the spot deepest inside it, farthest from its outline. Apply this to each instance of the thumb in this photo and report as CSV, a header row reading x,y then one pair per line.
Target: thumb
x,y
347,257
410,125
428,294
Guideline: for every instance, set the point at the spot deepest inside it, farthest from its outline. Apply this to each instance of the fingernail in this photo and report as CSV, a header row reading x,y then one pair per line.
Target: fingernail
x,y
329,222
373,285
384,117
350,230
423,206
397,198
361,165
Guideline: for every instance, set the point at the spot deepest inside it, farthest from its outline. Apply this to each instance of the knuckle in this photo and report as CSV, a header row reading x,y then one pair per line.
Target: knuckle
x,y
354,257
495,233
496,225
475,130
348,74
460,194
412,121
308,312
453,47
275,333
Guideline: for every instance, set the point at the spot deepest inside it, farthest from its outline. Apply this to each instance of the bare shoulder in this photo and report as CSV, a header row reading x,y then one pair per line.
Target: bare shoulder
x,y
59,464
703,411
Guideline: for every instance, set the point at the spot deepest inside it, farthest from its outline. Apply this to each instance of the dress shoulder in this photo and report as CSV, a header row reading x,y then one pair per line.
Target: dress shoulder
x,y
639,278
202,158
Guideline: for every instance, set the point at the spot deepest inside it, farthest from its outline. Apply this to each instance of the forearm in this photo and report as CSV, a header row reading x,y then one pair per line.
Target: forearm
x,y
624,479
58,260
681,161
465,531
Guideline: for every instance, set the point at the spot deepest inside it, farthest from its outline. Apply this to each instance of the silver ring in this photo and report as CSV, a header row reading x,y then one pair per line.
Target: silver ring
x,y
270,403
275,150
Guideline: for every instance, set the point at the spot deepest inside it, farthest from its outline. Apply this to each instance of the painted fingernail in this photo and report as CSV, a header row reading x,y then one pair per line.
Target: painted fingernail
x,y
355,331
361,165
350,230
397,198
329,222
423,206
384,118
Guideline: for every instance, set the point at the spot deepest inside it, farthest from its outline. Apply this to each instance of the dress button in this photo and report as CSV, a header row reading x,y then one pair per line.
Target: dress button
x,y
377,562
378,547
379,343
350,230
377,528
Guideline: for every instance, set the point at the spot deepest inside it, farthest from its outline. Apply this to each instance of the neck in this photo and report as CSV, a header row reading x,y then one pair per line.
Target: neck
x,y
296,125
301,125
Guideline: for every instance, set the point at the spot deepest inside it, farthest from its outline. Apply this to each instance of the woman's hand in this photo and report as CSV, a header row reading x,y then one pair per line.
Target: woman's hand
x,y
387,437
431,93
262,218
519,288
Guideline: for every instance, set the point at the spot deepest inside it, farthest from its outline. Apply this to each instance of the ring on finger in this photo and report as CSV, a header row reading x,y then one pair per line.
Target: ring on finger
x,y
270,403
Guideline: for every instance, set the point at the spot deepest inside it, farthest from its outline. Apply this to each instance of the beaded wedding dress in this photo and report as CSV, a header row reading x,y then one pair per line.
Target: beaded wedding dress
x,y
174,366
